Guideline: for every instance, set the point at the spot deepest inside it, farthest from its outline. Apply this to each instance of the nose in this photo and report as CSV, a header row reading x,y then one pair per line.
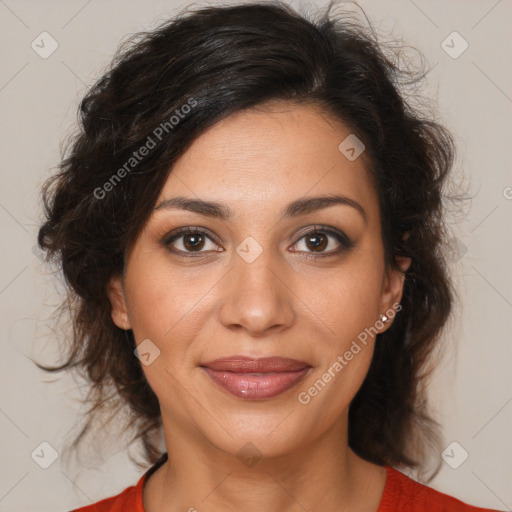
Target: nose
x,y
258,297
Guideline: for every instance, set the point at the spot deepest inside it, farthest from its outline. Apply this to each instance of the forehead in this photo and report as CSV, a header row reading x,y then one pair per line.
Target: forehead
x,y
269,156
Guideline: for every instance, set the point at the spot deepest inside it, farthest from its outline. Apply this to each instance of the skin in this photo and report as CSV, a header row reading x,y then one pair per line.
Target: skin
x,y
196,309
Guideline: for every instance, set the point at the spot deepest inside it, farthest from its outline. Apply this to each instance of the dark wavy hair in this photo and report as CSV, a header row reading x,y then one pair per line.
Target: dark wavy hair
x,y
170,84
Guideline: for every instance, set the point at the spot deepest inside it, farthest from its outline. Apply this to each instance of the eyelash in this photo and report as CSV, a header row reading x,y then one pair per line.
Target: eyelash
x,y
340,237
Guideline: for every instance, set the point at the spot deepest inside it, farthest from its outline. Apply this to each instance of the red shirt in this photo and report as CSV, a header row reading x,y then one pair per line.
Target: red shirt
x,y
401,494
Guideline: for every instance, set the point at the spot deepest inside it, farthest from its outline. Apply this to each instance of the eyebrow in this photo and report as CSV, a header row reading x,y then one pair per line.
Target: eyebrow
x,y
296,208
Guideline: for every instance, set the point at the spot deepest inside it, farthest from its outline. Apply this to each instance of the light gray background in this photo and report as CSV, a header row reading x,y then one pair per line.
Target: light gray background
x,y
471,390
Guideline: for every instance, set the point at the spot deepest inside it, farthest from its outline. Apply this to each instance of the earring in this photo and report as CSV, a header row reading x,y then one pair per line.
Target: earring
x,y
384,318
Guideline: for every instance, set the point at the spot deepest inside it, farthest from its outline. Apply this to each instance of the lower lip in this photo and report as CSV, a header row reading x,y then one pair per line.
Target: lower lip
x,y
253,386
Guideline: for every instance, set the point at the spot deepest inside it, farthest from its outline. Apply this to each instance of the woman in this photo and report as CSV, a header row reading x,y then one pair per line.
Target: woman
x,y
250,223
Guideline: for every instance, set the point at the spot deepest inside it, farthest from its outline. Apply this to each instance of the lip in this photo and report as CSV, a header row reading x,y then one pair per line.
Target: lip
x,y
256,379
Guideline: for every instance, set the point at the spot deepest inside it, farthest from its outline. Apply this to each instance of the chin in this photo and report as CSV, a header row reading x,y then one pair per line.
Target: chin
x,y
262,435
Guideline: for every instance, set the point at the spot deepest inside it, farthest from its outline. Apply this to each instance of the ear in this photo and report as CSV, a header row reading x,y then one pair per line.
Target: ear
x,y
393,289
119,311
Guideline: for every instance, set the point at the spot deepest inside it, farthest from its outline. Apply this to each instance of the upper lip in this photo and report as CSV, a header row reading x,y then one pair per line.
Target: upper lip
x,y
244,364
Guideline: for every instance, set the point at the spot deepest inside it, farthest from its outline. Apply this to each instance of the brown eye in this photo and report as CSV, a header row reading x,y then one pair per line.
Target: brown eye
x,y
316,242
188,240
193,241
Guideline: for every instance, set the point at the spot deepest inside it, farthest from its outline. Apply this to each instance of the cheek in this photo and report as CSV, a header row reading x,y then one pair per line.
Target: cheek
x,y
337,380
163,300
164,308
344,301
346,312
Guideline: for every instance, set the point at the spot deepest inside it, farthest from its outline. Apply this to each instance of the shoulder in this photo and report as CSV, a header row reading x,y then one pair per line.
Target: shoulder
x,y
404,493
130,500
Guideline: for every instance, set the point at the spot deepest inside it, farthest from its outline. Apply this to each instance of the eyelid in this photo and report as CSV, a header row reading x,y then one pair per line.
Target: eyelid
x,y
190,229
345,242
180,232
337,233
342,238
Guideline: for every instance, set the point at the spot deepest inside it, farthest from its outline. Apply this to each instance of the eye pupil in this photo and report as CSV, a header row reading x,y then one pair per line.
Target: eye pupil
x,y
317,241
193,241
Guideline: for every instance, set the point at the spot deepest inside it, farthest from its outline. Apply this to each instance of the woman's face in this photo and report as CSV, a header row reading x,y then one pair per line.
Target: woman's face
x,y
305,282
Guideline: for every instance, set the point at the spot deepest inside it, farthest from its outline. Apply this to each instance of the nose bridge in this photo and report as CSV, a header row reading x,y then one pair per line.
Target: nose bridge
x,y
256,297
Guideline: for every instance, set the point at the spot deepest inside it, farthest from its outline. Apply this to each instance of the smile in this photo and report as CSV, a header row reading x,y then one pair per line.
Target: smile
x,y
256,379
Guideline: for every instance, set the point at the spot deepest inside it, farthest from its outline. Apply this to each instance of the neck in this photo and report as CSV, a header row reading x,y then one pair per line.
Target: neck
x,y
324,475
